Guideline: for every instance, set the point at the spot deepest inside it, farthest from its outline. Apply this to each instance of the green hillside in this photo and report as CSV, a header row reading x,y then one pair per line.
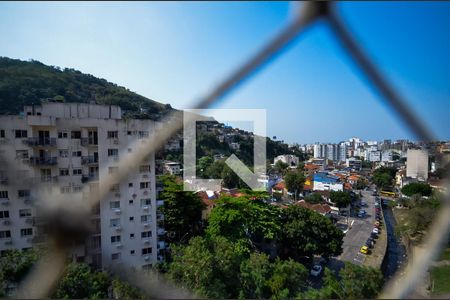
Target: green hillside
x,y
30,82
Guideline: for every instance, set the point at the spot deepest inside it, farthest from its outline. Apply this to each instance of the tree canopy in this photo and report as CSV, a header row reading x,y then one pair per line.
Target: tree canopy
x,y
182,211
306,233
420,188
294,181
383,176
340,198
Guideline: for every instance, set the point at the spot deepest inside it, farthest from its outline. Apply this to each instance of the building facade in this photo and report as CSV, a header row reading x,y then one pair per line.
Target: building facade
x,y
417,164
69,149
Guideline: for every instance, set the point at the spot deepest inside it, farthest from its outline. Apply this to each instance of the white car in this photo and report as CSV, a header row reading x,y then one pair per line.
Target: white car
x,y
375,230
316,270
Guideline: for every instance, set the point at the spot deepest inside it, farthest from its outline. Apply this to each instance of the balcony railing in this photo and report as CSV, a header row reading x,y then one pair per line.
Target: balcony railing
x,y
89,177
4,180
88,160
40,142
43,161
86,141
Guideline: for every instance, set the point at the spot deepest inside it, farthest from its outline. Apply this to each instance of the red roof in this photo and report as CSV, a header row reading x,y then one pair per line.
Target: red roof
x,y
319,207
280,186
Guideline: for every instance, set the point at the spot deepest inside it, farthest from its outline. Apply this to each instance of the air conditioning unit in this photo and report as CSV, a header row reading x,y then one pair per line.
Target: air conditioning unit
x,y
8,242
7,222
145,193
117,211
145,176
147,224
118,228
29,220
5,201
116,142
147,257
146,241
117,195
119,245
146,207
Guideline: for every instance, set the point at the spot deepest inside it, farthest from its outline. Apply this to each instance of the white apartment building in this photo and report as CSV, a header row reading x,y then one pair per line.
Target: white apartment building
x,y
417,164
66,146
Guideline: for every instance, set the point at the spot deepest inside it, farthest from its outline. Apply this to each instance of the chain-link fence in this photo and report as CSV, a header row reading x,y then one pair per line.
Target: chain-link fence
x,y
65,220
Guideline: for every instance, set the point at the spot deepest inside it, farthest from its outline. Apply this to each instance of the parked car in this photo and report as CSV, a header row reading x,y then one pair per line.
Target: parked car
x,y
316,270
363,203
369,243
364,250
374,235
376,231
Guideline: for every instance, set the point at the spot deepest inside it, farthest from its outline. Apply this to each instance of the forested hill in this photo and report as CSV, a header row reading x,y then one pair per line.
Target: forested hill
x,y
30,82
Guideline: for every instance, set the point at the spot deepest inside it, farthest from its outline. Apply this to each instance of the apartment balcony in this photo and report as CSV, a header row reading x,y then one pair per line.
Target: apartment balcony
x,y
39,239
89,177
89,142
5,201
6,222
40,142
3,180
89,160
161,231
159,203
45,179
8,242
43,161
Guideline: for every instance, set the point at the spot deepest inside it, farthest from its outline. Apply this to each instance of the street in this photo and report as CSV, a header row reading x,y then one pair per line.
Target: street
x,y
359,232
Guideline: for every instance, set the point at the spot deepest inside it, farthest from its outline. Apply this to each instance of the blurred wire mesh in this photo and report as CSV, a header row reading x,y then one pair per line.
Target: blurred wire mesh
x,y
44,276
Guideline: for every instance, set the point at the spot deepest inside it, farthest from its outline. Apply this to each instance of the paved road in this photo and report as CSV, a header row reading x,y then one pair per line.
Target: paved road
x,y
359,232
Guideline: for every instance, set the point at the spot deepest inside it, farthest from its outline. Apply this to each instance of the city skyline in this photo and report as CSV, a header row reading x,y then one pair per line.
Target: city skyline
x,y
166,53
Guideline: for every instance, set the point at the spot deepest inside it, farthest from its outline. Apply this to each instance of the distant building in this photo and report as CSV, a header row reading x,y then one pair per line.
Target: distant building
x,y
235,146
326,182
289,159
333,152
417,164
353,163
172,168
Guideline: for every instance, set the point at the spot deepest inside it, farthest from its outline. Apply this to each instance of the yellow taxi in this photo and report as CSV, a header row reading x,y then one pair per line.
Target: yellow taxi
x,y
364,250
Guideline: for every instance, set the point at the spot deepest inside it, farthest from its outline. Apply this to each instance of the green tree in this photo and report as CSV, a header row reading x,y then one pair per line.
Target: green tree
x,y
255,273
123,290
314,198
280,167
340,198
306,233
420,188
244,218
207,266
294,181
288,279
383,177
182,211
203,163
356,282
79,281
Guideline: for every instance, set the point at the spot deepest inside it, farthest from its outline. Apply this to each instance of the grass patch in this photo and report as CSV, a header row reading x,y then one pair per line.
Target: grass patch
x,y
445,255
440,279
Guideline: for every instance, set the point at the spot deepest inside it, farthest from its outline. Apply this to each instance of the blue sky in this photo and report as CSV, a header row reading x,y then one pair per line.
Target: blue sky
x,y
175,52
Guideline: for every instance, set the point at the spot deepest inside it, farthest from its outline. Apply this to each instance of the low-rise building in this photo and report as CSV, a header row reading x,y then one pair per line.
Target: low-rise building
x,y
327,182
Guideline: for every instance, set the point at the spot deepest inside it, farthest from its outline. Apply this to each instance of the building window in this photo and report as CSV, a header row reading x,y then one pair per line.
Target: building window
x,y
26,231
25,212
4,214
65,189
77,189
113,152
63,172
144,169
2,133
146,251
63,153
115,188
131,219
76,154
22,154
114,204
4,195
147,267
131,235
132,252
113,135
142,134
77,171
63,134
23,193
5,234
75,135
145,218
113,170
146,202
130,150
130,184
21,134
130,202
115,239
144,185
114,222
115,256
146,234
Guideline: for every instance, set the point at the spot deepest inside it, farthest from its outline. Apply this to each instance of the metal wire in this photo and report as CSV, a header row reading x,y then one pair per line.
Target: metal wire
x,y
43,276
